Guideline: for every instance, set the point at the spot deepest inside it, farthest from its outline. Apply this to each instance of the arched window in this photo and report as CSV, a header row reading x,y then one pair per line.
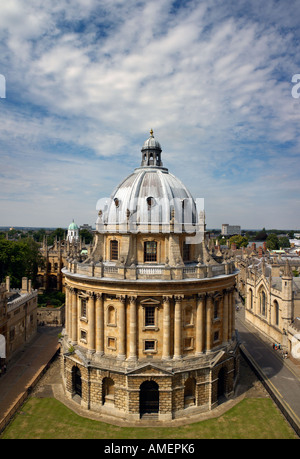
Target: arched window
x,y
108,391
262,298
188,315
276,312
114,250
250,299
111,315
189,392
222,381
149,397
76,381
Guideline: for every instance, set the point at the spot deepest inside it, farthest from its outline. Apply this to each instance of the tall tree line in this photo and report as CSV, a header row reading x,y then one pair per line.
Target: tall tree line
x,y
19,259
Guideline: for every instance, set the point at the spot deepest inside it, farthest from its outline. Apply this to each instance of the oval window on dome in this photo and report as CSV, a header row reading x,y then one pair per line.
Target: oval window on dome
x,y
117,202
150,201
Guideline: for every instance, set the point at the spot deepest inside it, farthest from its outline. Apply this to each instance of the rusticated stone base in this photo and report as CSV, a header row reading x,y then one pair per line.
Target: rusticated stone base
x,y
162,390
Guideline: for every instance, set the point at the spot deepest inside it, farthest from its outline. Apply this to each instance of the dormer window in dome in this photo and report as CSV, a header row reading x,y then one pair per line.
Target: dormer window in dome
x,y
150,201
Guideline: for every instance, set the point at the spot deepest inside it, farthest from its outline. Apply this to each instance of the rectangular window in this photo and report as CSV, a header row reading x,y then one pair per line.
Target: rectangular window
x,y
149,345
188,343
83,308
150,251
111,343
83,336
216,309
114,250
186,252
149,316
216,336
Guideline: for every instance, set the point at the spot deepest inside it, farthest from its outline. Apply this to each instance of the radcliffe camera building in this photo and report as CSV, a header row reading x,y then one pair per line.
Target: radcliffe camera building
x,y
150,312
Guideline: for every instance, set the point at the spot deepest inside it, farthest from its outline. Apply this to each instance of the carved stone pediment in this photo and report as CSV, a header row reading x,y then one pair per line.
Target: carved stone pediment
x,y
150,301
149,369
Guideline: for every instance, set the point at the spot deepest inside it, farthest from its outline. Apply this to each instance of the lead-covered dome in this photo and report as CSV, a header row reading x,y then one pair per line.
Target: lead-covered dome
x,y
151,195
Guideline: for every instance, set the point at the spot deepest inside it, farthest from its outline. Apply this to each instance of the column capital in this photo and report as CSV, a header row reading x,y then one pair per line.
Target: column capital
x,y
167,298
121,298
132,298
201,296
99,296
178,298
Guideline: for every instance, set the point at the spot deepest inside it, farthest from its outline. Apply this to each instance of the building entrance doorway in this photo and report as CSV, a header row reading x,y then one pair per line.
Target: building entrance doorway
x,y
149,398
77,385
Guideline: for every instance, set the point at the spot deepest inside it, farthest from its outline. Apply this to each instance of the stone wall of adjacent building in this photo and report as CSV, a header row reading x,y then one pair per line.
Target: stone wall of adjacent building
x,y
51,316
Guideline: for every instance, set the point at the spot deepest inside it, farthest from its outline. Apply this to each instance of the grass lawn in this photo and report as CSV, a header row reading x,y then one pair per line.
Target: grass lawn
x,y
47,418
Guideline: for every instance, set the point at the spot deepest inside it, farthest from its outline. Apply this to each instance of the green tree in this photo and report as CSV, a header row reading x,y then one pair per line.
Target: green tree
x,y
272,242
19,259
86,235
283,242
59,233
240,241
38,235
261,235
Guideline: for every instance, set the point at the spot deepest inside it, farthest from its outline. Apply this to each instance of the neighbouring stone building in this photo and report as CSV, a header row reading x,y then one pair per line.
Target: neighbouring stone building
x,y
51,316
272,294
150,316
18,317
50,275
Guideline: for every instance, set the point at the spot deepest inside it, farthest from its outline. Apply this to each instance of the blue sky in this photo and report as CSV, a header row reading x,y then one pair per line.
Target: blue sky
x,y
86,80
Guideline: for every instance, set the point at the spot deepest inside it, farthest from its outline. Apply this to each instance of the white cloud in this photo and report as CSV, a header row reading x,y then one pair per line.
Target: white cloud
x,y
93,77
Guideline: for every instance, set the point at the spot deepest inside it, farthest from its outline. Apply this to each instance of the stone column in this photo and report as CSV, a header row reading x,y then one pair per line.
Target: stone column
x,y
166,354
200,325
67,308
178,327
225,316
99,324
232,315
69,312
122,328
209,304
132,328
91,322
74,316
229,313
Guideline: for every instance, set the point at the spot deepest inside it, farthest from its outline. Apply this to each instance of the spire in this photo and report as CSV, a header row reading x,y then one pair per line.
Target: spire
x,y
287,270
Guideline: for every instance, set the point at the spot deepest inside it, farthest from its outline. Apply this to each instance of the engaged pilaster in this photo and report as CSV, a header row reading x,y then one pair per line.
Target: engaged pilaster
x,y
99,324
166,328
209,305
122,328
91,322
74,315
178,327
132,328
200,324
